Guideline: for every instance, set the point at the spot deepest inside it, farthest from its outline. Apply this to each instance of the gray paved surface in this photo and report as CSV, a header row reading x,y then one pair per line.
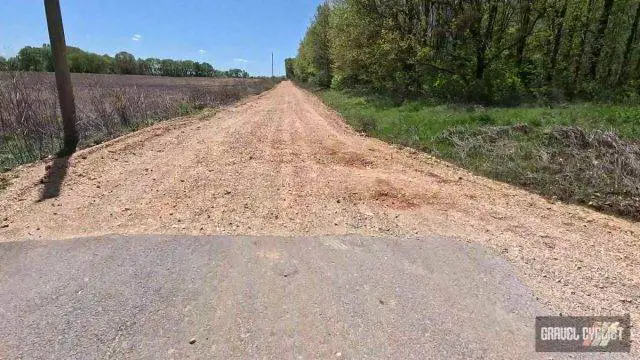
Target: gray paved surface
x,y
276,298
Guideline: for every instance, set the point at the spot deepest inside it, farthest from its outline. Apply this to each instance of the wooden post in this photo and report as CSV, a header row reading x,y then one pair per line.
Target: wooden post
x,y
63,77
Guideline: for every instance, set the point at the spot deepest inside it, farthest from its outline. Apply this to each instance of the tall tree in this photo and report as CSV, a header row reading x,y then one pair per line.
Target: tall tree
x,y
289,65
523,34
624,71
482,38
586,22
598,42
34,58
125,63
454,49
557,40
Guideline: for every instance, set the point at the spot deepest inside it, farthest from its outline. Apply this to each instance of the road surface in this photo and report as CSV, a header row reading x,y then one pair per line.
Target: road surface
x,y
261,297
283,164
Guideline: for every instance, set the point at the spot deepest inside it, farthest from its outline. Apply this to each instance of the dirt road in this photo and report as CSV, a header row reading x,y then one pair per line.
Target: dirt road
x,y
283,164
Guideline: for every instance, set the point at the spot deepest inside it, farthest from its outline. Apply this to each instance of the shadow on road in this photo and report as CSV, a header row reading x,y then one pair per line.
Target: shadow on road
x,y
52,181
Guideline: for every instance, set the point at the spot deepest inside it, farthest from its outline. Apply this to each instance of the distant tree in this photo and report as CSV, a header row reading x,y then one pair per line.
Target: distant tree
x,y
142,67
110,64
153,67
559,24
84,62
205,70
237,73
289,65
12,64
188,68
34,59
80,61
169,68
125,63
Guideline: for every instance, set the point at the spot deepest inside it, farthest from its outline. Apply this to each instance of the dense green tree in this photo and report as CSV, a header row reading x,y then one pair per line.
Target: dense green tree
x,y
34,59
289,65
314,59
237,73
80,61
477,50
204,70
125,63
631,38
83,62
153,67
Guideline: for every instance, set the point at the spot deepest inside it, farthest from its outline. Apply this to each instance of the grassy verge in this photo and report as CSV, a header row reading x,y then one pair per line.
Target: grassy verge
x,y
587,154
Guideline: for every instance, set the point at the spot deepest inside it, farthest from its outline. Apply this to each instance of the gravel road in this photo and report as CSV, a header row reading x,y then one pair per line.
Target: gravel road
x,y
283,164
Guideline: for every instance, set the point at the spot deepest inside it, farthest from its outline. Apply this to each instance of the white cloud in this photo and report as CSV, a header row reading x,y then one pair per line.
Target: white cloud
x,y
136,37
202,52
241,60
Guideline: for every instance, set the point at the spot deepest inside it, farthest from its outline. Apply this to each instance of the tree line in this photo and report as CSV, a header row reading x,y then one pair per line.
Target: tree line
x,y
80,61
490,51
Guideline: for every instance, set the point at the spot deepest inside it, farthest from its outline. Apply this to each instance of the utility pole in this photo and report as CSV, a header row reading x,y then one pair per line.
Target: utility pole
x,y
272,73
63,77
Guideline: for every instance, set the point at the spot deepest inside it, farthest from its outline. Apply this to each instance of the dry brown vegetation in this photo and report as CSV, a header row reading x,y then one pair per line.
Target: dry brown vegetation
x,y
107,106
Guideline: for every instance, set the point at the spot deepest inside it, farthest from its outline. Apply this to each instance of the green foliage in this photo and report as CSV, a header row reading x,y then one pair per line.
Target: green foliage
x,y
237,73
289,65
84,62
125,63
35,59
481,51
80,61
313,63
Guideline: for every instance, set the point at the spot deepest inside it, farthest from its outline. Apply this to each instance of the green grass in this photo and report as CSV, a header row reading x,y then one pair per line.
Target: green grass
x,y
579,153
419,121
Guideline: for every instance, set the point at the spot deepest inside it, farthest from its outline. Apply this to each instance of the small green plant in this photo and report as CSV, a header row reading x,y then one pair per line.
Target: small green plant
x,y
185,109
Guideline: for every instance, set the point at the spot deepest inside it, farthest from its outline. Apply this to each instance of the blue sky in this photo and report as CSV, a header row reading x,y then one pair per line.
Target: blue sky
x,y
225,33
